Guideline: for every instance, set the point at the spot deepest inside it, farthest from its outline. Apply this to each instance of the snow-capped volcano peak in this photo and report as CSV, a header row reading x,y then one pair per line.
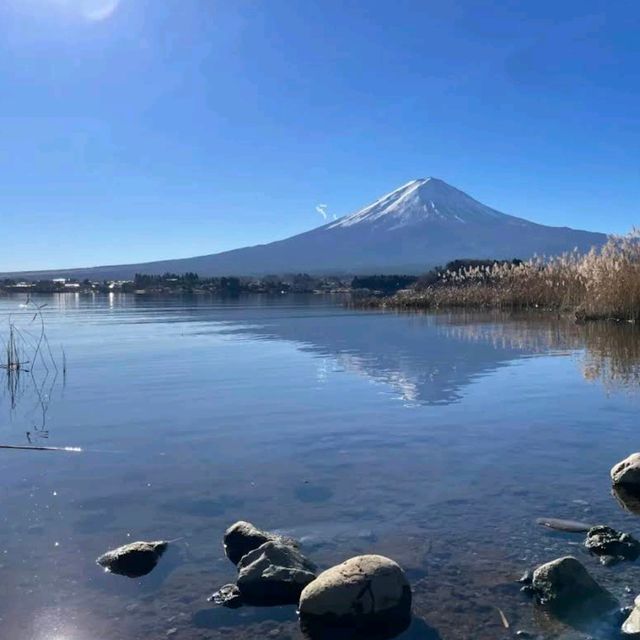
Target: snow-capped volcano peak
x,y
418,201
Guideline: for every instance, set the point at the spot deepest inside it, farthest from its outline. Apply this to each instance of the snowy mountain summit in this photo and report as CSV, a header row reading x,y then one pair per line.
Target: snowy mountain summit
x,y
421,224
419,201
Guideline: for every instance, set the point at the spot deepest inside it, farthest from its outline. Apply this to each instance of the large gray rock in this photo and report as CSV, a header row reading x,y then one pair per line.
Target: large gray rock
x,y
274,573
565,583
631,626
242,537
627,472
363,591
133,560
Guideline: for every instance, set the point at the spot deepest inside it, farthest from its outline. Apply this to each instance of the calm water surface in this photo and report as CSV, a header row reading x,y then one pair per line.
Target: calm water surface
x,y
436,440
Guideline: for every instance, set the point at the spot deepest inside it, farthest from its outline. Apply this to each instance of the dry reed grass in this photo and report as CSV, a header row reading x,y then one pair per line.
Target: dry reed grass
x,y
605,283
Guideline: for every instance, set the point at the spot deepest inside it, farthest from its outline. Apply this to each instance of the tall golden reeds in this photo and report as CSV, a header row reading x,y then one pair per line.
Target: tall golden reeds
x,y
604,283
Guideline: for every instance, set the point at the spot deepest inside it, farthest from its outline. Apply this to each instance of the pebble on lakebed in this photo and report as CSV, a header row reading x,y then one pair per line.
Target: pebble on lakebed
x,y
133,560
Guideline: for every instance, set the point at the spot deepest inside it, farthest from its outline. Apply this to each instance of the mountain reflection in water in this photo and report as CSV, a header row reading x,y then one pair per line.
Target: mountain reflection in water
x,y
425,362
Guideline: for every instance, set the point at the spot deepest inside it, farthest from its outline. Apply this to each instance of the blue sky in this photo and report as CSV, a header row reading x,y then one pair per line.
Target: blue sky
x,y
132,130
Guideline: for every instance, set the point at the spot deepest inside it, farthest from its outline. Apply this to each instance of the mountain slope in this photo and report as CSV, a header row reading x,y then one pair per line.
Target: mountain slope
x,y
423,223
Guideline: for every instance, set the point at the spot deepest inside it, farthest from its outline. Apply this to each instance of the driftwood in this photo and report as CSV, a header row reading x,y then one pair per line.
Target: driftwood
x,y
35,448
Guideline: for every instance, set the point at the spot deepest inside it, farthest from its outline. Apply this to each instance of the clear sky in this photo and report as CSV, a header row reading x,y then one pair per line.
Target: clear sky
x,y
132,130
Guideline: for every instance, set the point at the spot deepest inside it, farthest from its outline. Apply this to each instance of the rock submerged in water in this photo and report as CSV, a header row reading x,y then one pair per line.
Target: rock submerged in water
x,y
565,585
271,568
560,524
627,471
133,560
242,537
611,545
563,580
368,591
227,596
274,574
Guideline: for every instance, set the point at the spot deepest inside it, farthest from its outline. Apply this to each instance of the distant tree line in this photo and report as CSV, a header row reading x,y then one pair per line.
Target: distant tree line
x,y
230,285
386,284
191,282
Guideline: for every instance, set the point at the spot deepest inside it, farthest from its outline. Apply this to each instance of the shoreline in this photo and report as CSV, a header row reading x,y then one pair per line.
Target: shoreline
x,y
418,304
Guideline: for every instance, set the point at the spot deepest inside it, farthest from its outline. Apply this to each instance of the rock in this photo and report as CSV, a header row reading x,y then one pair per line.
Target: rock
x,y
631,626
274,573
133,560
628,497
227,596
627,472
565,583
242,537
368,591
611,545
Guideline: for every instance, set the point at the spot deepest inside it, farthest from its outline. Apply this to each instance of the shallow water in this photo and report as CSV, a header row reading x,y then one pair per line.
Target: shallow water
x,y
434,439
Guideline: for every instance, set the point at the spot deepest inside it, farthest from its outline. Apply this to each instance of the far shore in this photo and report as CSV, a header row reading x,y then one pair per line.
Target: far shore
x,y
603,284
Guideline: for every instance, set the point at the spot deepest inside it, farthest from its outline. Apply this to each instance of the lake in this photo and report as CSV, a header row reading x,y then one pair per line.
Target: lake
x,y
434,439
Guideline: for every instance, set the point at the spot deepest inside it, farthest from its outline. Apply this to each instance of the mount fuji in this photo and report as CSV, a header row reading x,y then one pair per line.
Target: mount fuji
x,y
422,223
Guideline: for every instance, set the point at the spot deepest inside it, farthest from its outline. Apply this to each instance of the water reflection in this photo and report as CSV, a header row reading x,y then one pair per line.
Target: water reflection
x,y
430,359
213,411
627,497
425,359
30,370
610,351
414,355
